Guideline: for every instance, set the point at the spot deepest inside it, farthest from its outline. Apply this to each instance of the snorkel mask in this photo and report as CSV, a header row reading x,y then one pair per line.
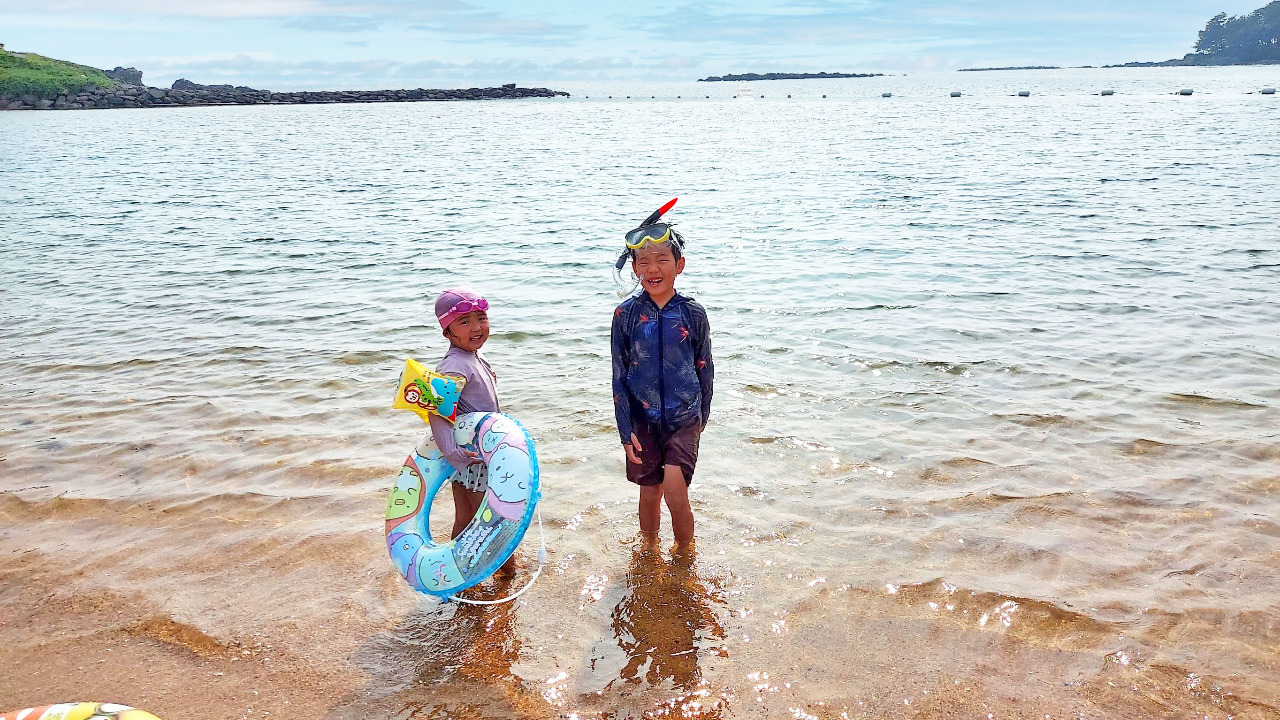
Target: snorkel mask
x,y
650,232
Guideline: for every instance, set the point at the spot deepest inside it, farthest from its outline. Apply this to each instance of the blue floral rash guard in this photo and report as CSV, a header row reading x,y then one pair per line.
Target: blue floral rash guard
x,y
662,369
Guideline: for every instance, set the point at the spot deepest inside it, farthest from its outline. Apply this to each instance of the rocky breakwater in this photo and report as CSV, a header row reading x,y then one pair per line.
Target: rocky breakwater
x,y
186,93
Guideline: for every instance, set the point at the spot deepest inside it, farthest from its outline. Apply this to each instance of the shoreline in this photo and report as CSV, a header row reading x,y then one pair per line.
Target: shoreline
x,y
191,95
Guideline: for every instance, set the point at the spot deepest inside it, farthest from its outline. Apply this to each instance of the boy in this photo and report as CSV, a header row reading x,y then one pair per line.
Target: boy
x,y
662,379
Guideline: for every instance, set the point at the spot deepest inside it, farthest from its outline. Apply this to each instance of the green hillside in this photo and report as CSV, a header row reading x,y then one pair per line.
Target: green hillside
x,y
31,74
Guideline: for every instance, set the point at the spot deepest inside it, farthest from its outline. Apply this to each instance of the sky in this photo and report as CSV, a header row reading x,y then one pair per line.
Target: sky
x,y
373,44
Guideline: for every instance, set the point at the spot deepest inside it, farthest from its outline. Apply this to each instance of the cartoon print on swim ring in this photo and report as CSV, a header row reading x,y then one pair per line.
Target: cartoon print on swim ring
x,y
511,461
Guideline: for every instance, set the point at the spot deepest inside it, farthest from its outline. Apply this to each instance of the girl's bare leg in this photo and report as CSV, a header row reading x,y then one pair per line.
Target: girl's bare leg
x,y
465,504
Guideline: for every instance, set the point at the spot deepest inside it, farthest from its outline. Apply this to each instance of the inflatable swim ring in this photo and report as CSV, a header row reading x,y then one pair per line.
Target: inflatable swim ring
x,y
510,500
79,711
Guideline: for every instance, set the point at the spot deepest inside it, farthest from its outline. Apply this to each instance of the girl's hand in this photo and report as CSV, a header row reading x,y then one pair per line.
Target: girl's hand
x,y
473,457
632,448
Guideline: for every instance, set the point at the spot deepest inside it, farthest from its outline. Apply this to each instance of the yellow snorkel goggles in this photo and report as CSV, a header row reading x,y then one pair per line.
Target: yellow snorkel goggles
x,y
641,236
651,232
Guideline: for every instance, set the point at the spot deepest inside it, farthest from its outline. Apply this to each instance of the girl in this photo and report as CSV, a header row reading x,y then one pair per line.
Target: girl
x,y
464,317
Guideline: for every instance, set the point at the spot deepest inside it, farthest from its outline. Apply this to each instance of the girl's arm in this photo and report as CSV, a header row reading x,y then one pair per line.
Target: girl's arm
x,y
458,457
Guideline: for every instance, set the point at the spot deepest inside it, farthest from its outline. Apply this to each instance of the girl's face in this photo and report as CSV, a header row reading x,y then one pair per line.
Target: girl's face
x,y
469,331
657,268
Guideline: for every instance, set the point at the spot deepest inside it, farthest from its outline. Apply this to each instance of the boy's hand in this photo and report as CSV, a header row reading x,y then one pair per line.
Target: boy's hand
x,y
632,448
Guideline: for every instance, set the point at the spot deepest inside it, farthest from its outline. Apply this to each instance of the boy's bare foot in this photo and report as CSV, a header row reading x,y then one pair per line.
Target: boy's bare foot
x,y
648,541
683,554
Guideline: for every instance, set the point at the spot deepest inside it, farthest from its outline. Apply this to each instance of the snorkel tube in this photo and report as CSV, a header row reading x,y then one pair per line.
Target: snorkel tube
x,y
625,288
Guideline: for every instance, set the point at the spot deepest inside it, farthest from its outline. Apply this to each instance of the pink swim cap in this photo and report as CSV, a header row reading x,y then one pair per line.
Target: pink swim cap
x,y
456,302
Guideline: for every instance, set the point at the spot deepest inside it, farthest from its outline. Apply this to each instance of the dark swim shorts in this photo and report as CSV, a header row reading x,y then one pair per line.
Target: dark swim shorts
x,y
661,449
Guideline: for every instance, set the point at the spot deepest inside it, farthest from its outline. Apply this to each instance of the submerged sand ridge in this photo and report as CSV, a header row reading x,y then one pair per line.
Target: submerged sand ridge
x,y
983,443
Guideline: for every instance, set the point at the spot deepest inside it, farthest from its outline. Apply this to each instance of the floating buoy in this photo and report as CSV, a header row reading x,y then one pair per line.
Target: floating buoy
x,y
788,97
1105,93
1185,91
1268,91
761,96
886,94
824,96
1024,93
955,93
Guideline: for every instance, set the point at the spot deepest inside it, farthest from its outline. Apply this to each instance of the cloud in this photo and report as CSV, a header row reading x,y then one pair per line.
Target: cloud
x,y
444,17
333,23
492,26
272,74
917,23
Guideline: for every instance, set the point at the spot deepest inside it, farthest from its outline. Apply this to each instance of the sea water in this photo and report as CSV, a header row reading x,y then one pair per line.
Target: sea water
x,y
996,408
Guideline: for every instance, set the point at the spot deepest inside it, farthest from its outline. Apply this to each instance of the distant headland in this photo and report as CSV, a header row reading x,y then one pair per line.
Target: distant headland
x,y
34,82
785,76
1020,67
1252,39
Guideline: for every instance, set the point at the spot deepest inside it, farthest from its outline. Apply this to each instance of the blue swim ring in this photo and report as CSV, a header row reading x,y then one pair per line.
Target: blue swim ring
x,y
511,464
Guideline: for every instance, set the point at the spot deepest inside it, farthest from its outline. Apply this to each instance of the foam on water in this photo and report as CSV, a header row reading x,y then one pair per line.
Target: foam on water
x,y
994,389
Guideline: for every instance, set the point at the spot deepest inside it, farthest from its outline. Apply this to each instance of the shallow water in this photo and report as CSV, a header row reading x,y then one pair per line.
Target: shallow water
x,y
994,431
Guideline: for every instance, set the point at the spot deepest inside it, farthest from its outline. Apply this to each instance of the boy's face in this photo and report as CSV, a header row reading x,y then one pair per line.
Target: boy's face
x,y
657,268
469,331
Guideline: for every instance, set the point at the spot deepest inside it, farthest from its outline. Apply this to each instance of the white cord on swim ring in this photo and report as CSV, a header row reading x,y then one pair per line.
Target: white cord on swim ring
x,y
542,561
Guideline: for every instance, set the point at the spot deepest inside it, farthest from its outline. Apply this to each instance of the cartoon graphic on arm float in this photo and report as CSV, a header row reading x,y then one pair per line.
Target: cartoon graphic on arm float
x,y
426,392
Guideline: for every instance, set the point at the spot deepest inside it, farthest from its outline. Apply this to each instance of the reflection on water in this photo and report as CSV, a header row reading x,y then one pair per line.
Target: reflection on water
x,y
444,660
664,621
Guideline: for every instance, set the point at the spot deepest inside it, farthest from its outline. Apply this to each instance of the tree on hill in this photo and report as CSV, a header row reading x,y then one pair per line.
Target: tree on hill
x,y
1252,38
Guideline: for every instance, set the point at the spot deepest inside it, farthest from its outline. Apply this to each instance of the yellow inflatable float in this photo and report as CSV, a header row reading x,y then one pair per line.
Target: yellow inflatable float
x,y
79,711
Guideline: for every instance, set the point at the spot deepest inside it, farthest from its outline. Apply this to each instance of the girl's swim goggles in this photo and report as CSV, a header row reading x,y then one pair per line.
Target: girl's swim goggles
x,y
466,306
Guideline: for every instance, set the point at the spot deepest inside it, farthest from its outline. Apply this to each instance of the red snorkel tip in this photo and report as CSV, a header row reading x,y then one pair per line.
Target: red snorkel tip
x,y
659,213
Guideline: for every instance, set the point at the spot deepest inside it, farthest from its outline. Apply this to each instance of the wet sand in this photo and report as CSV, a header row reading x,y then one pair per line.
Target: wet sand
x,y
667,637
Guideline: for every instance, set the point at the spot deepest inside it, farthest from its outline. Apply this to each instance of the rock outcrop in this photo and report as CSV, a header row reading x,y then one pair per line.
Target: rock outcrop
x,y
128,76
187,93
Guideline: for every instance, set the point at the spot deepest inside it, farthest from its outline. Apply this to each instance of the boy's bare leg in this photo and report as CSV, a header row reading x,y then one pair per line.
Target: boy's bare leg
x,y
650,510
676,492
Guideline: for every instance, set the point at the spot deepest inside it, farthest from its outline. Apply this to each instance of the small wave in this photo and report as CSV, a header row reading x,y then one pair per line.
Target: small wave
x,y
962,462
1039,621
367,357
764,390
1143,446
521,335
168,630
1212,402
1037,420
